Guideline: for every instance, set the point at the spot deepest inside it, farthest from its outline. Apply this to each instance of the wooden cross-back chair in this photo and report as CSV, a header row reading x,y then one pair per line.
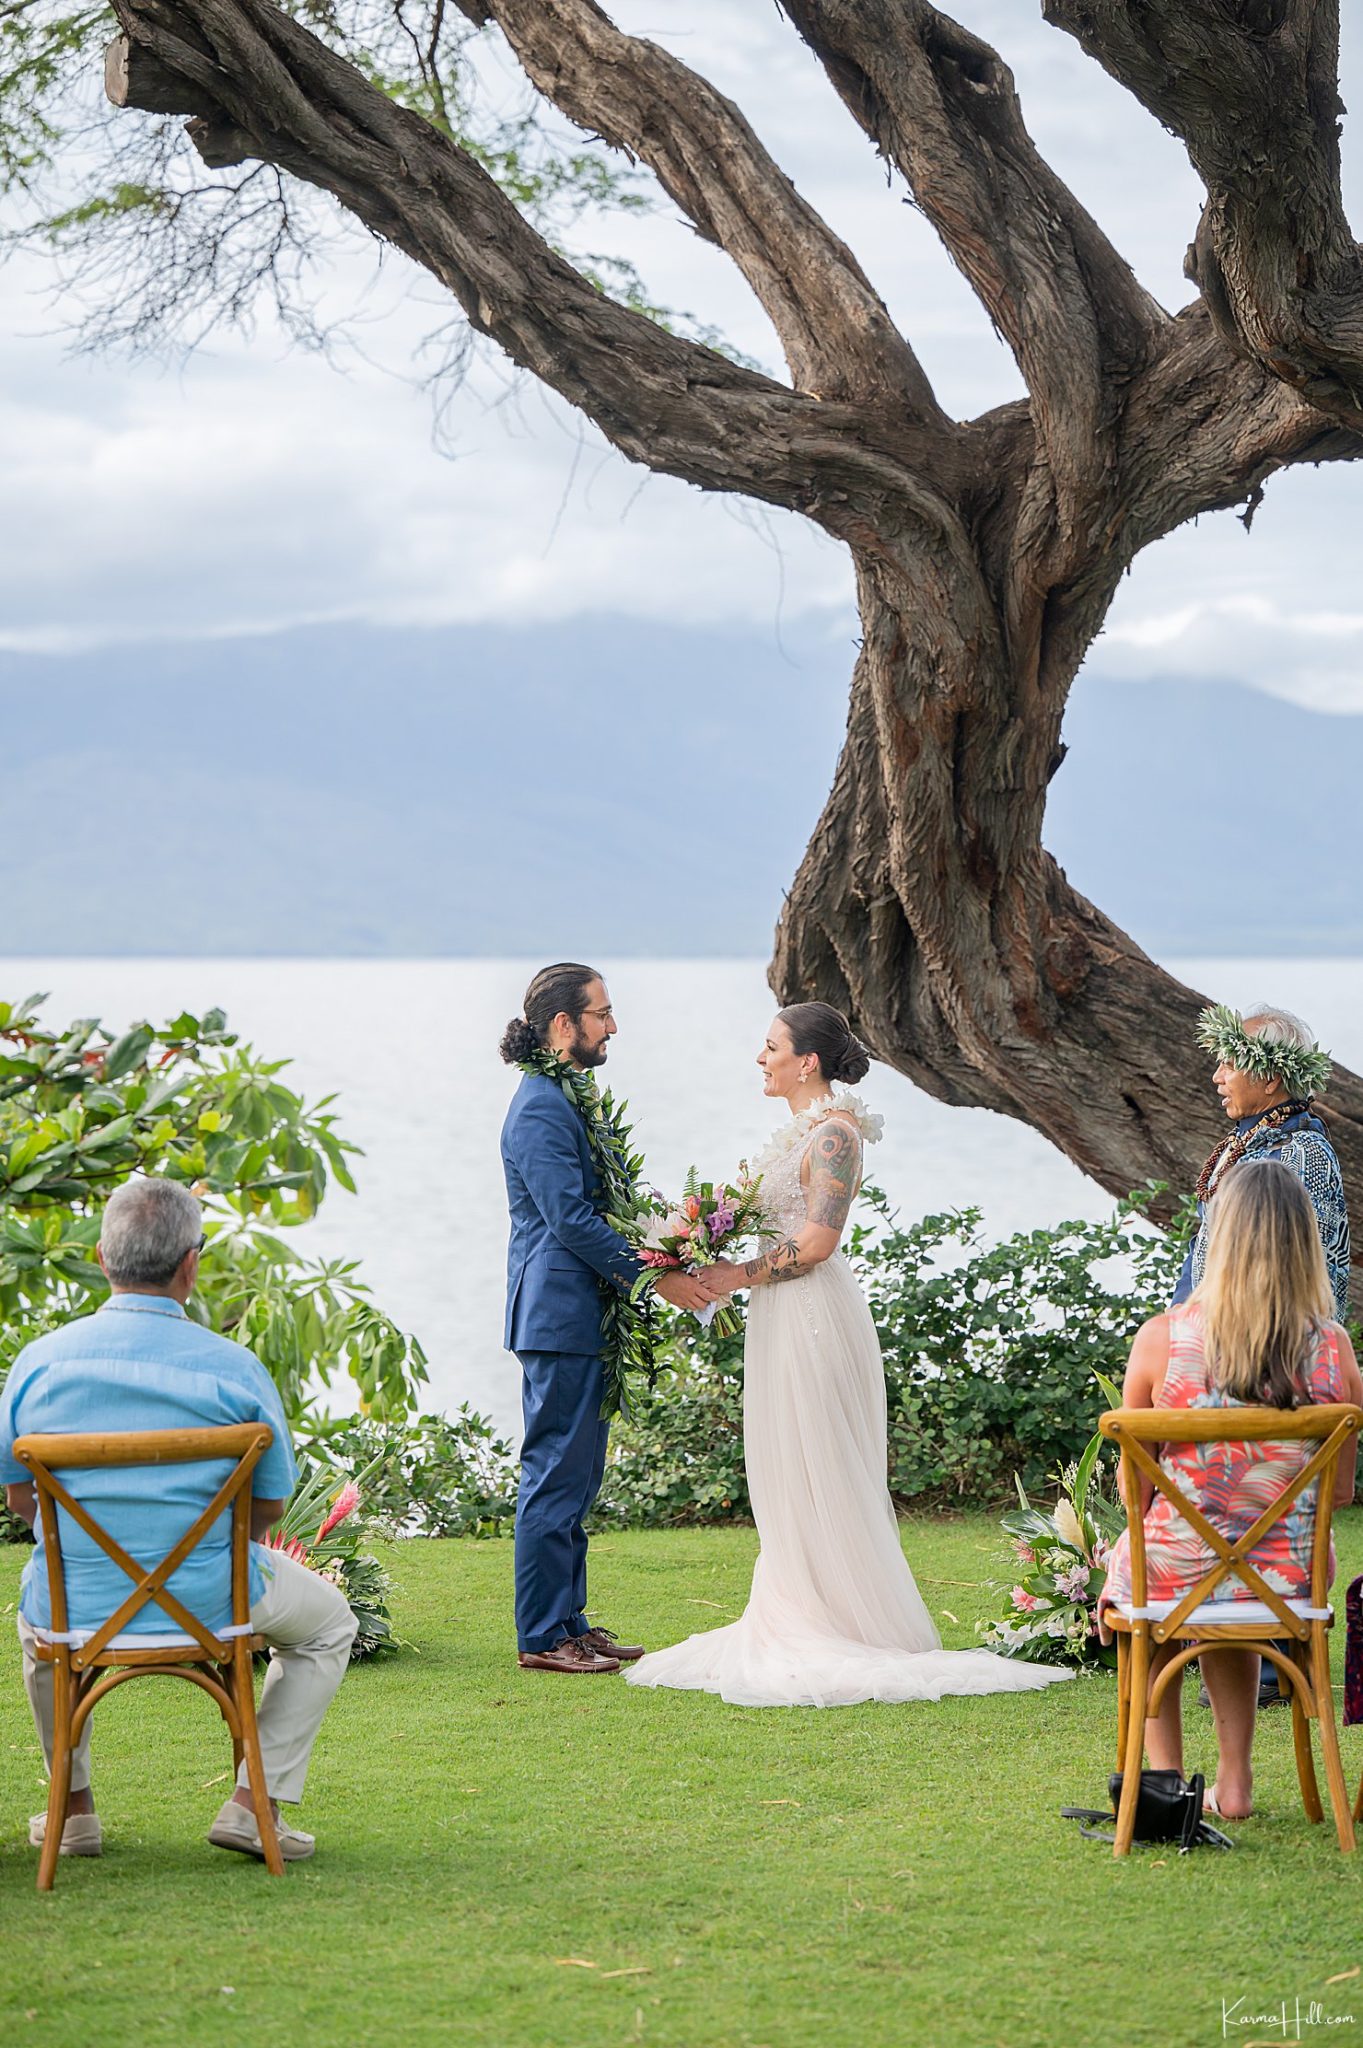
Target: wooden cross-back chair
x,y
89,1662
1199,1621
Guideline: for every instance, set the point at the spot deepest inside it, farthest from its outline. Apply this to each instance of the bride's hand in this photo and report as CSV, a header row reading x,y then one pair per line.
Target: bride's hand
x,y
722,1278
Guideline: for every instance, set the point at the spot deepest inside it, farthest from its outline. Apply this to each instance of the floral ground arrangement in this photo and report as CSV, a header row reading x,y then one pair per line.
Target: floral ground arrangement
x,y
786,1879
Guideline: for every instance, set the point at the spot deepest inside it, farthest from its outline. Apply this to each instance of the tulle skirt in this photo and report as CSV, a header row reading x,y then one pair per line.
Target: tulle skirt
x,y
834,1616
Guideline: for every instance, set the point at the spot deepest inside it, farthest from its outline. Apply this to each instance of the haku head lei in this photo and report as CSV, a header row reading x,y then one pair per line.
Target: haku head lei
x,y
1302,1070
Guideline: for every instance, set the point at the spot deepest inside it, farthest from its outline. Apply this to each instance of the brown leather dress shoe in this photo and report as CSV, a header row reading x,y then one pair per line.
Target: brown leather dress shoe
x,y
574,1654
603,1641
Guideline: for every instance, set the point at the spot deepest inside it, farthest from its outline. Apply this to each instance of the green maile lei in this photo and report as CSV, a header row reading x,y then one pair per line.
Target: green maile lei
x,y
1302,1070
626,1325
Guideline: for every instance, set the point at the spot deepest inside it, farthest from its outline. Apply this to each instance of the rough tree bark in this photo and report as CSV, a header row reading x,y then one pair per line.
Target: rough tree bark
x,y
987,552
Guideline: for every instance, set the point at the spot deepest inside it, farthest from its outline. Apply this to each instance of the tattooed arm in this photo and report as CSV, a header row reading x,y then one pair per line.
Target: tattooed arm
x,y
834,1175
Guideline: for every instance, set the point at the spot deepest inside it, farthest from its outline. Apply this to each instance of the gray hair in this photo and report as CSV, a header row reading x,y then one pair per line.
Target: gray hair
x,y
1279,1027
148,1227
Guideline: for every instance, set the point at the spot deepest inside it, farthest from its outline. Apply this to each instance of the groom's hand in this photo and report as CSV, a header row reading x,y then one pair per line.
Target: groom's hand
x,y
683,1290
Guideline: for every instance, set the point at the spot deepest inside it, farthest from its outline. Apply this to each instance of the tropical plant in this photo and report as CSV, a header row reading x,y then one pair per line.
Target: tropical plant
x,y
1052,1611
334,1552
82,1108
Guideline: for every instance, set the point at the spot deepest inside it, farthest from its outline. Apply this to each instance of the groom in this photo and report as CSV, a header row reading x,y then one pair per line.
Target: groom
x,y
563,1255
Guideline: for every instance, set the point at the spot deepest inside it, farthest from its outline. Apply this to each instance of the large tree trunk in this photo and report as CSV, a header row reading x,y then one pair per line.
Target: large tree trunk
x,y
927,908
987,552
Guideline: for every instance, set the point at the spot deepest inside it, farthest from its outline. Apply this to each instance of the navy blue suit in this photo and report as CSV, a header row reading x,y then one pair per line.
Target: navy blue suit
x,y
561,1252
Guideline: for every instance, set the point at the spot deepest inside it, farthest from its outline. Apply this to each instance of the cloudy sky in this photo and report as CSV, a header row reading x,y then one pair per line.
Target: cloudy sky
x,y
255,488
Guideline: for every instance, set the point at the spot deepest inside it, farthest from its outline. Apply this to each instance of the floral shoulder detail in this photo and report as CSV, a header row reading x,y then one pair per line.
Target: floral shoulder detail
x,y
796,1130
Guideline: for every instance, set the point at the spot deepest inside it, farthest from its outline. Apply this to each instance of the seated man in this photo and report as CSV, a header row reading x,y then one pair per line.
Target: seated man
x,y
140,1363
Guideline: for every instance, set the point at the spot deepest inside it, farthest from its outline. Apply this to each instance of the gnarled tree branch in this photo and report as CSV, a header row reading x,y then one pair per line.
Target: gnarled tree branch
x,y
661,399
941,105
838,337
1251,86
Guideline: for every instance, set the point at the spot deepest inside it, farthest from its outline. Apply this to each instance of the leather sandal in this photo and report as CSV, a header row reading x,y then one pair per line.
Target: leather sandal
x,y
574,1655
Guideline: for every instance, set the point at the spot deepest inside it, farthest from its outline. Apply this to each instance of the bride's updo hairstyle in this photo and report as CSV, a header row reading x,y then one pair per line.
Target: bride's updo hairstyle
x,y
819,1029
561,987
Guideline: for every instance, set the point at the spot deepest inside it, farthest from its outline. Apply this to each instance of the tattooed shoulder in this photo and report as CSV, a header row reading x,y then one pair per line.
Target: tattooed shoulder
x,y
834,1173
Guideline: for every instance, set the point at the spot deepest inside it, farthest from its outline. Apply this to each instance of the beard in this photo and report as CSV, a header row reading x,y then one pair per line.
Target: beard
x,y
587,1055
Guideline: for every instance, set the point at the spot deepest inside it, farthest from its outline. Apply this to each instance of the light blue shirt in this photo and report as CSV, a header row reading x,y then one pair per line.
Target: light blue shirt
x,y
140,1363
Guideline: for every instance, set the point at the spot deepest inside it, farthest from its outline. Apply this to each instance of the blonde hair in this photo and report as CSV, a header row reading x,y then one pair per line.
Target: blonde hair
x,y
1265,1292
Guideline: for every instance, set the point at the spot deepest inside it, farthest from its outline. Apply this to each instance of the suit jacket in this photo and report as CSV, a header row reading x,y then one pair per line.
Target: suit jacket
x,y
561,1247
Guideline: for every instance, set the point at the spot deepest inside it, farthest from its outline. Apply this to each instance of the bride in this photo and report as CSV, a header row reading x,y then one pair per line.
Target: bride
x,y
834,1616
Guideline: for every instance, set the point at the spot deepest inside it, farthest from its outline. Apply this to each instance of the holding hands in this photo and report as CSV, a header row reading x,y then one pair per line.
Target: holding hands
x,y
693,1291
724,1278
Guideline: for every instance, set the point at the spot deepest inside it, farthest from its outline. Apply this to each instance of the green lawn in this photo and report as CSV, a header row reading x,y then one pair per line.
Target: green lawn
x,y
517,1859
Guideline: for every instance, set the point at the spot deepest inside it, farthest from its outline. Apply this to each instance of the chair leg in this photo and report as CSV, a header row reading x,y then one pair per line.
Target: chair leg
x,y
255,1767
1329,1738
1123,1694
227,1673
1301,1742
59,1778
1138,1681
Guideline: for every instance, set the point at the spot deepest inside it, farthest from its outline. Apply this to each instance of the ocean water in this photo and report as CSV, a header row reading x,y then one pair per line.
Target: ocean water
x,y
410,1047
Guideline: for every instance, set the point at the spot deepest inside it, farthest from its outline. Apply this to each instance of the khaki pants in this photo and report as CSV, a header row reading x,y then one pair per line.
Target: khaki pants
x,y
309,1627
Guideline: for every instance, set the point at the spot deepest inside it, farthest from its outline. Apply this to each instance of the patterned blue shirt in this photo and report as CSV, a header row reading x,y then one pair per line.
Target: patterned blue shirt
x,y
1300,1143
140,1363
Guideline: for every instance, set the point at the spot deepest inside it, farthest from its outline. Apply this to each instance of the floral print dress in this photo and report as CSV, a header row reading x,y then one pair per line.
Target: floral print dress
x,y
1232,1484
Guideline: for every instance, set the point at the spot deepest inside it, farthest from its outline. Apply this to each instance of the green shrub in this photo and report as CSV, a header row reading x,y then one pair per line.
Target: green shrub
x,y
989,1355
678,1456
990,1351
435,1475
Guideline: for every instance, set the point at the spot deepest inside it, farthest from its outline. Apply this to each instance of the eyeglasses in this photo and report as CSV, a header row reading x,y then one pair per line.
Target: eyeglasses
x,y
202,1241
607,1015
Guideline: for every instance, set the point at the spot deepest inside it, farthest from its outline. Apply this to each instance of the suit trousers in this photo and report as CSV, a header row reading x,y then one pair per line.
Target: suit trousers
x,y
310,1628
563,1457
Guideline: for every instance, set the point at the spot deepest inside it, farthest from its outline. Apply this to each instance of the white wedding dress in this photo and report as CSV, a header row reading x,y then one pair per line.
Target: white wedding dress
x,y
834,1616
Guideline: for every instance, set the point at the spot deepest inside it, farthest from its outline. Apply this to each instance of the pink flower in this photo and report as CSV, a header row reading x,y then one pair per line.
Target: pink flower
x,y
658,1259
290,1545
1023,1599
345,1503
1025,1552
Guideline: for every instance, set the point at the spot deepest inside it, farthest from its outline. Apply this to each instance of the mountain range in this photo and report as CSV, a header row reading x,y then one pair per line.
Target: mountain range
x,y
601,787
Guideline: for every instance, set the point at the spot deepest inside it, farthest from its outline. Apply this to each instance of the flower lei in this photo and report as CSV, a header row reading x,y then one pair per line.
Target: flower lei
x,y
626,1325
1302,1070
788,1135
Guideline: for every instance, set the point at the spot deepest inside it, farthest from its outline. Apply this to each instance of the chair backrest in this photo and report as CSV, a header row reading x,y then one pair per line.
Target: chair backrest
x,y
1331,1425
47,1455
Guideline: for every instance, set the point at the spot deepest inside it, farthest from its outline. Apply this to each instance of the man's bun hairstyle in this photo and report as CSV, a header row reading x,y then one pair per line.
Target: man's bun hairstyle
x,y
562,987
819,1029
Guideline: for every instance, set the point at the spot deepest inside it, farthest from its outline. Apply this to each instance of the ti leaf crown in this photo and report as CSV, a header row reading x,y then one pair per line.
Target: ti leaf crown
x,y
1302,1070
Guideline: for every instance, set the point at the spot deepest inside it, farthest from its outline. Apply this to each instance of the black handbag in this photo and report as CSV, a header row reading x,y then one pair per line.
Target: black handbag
x,y
1168,1809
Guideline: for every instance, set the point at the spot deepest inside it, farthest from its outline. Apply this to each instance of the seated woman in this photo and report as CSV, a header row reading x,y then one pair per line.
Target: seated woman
x,y
1256,1332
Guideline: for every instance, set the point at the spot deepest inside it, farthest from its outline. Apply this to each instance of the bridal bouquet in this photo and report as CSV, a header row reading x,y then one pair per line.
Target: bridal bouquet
x,y
707,1222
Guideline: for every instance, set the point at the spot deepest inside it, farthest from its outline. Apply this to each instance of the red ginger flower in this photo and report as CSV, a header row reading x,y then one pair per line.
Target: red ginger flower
x,y
345,1503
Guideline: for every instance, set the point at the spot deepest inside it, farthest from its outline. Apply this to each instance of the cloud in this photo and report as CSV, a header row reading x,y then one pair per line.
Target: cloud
x,y
1274,607
259,489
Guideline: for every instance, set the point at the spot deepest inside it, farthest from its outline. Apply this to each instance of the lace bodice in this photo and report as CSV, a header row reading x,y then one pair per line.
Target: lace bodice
x,y
782,1197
